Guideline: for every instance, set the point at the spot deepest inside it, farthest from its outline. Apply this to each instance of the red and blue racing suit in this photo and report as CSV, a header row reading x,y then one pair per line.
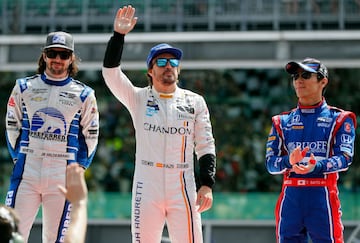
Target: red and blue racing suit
x,y
309,204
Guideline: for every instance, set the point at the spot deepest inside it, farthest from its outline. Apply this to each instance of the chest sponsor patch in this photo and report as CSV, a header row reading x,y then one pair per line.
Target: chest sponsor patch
x,y
48,123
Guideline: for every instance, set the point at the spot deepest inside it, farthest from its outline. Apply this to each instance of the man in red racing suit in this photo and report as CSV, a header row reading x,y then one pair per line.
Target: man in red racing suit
x,y
310,145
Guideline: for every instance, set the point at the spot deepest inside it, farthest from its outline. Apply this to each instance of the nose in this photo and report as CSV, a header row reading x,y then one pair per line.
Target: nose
x,y
168,64
57,56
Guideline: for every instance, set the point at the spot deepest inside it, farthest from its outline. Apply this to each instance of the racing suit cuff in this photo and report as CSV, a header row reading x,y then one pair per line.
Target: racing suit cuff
x,y
320,167
207,164
114,50
287,162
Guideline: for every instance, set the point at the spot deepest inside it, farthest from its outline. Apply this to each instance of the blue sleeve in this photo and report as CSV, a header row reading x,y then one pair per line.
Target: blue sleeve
x,y
82,156
89,129
277,158
342,150
14,151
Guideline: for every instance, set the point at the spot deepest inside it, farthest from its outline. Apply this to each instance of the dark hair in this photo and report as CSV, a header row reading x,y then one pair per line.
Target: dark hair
x,y
73,68
319,78
8,223
149,78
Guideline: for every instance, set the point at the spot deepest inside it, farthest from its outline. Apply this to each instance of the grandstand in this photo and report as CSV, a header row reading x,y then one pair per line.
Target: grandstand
x,y
234,52
84,16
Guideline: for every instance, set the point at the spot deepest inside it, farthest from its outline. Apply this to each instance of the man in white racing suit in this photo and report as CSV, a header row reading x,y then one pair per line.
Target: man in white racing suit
x,y
171,124
52,120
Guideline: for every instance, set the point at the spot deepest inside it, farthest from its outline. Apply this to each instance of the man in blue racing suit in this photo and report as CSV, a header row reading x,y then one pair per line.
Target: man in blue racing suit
x,y
52,120
309,146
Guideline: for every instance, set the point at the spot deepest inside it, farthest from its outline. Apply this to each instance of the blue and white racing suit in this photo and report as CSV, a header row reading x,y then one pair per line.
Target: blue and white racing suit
x,y
309,204
49,124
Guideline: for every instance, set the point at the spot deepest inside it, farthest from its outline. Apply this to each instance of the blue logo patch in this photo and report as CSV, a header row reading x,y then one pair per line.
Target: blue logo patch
x,y
48,120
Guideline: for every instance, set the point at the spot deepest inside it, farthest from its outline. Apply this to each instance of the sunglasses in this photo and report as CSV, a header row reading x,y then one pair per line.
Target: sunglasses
x,y
64,55
303,75
161,62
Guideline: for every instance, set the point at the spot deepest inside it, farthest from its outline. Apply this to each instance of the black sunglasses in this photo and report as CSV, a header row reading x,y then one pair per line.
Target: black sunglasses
x,y
161,62
304,75
64,55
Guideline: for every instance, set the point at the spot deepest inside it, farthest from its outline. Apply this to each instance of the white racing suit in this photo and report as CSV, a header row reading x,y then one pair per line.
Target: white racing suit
x,y
49,124
169,128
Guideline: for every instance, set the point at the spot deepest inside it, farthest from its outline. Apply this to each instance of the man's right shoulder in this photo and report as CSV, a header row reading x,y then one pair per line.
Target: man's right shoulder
x,y
23,82
25,79
286,113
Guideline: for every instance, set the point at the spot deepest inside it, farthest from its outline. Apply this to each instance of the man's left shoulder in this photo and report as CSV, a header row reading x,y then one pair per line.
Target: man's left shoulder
x,y
342,114
190,93
82,85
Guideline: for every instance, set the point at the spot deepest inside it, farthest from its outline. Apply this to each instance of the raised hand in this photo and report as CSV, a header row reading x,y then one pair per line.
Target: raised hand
x,y
124,20
76,192
76,189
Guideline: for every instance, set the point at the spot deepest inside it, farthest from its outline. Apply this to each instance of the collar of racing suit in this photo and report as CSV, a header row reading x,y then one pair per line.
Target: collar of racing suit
x,y
157,94
55,82
312,109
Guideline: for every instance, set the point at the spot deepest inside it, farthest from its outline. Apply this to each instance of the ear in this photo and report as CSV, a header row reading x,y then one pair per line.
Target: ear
x,y
149,72
324,81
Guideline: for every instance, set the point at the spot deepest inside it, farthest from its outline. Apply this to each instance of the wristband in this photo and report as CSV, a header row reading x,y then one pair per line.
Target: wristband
x,y
114,50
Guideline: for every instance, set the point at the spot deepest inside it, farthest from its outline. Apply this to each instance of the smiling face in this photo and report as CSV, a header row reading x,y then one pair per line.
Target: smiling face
x,y
57,62
164,78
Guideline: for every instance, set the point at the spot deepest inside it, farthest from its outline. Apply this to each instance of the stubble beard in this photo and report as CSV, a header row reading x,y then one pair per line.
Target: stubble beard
x,y
169,78
56,70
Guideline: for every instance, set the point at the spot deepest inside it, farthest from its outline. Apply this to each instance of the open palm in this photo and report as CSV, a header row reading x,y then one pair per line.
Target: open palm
x,y
125,21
